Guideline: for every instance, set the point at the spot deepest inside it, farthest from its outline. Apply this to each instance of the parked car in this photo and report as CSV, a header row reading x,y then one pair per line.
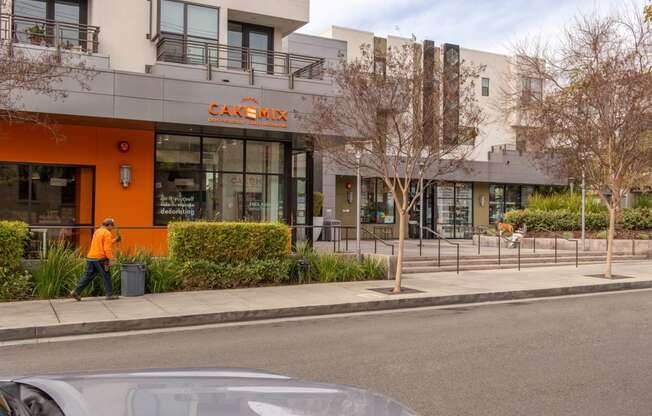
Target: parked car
x,y
229,392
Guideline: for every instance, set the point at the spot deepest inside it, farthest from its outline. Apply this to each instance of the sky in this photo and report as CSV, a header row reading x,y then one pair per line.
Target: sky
x,y
489,25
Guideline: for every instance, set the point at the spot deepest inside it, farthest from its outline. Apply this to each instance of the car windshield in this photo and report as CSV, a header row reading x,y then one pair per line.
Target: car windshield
x,y
205,396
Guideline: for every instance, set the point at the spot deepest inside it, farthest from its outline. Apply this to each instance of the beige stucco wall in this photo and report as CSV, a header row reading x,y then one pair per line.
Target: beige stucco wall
x,y
124,25
354,38
480,213
495,129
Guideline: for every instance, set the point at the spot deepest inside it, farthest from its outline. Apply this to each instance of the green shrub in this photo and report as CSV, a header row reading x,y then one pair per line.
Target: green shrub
x,y
596,221
227,242
206,275
317,203
643,201
338,268
310,271
59,272
13,235
561,220
14,285
163,275
564,201
636,219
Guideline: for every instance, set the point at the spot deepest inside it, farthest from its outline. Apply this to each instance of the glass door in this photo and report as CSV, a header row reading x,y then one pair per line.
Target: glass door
x,y
258,41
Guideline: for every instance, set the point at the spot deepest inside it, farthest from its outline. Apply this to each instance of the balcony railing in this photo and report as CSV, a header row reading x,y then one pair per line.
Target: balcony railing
x,y
49,33
215,55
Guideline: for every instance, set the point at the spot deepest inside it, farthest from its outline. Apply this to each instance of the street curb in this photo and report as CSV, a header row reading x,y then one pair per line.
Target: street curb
x,y
60,330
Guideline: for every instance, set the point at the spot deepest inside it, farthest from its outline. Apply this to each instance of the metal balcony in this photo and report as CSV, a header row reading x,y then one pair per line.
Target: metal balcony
x,y
49,33
220,56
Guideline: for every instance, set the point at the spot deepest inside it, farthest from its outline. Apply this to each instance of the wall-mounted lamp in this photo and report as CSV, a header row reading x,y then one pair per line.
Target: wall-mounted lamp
x,y
482,200
125,175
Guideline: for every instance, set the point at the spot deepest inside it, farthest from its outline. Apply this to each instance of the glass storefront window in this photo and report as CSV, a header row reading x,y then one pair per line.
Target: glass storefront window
x,y
264,157
223,154
46,194
207,178
505,198
377,203
178,152
177,196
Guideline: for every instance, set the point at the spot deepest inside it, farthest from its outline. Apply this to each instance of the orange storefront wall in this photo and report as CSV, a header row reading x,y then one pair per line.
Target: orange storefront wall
x,y
98,147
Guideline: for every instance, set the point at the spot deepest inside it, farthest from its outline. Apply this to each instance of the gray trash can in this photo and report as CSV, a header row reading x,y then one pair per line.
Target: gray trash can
x,y
331,230
132,279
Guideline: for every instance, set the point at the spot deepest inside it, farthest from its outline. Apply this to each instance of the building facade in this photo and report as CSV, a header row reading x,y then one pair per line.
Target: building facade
x,y
193,112
498,176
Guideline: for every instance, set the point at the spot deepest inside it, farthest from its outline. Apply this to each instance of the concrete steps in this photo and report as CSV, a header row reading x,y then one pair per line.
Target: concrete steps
x,y
448,264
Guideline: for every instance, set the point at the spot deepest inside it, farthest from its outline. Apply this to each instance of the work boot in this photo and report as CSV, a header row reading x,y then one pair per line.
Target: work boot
x,y
112,297
75,295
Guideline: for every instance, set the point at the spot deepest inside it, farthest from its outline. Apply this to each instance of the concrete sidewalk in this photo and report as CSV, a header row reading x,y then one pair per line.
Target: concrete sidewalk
x,y
44,319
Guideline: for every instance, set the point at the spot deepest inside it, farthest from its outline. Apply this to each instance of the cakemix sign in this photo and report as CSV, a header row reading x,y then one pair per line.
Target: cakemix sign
x,y
248,112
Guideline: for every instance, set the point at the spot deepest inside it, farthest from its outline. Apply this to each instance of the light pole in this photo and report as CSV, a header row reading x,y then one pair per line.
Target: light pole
x,y
421,167
583,211
358,156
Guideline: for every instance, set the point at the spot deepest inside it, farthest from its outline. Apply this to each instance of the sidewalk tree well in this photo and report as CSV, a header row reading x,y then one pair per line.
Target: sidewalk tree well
x,y
35,71
585,105
397,116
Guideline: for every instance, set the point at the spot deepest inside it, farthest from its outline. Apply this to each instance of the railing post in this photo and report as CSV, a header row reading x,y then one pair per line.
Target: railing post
x,y
56,35
334,239
458,259
287,64
498,237
375,244
555,249
633,248
519,256
478,244
346,241
577,254
96,42
534,244
438,251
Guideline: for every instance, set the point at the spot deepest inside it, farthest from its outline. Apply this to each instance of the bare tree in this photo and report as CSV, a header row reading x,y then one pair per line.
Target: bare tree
x,y
593,115
33,70
386,117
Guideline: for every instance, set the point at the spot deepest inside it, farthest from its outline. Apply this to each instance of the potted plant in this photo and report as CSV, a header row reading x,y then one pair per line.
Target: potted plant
x,y
317,218
35,34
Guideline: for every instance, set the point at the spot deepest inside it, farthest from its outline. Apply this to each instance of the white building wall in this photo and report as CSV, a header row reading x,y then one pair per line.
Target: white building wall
x,y
495,129
355,40
125,24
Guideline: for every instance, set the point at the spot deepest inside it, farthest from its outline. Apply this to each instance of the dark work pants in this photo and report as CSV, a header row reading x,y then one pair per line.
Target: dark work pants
x,y
93,268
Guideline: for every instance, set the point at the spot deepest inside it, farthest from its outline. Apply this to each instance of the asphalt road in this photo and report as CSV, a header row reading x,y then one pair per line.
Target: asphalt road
x,y
571,356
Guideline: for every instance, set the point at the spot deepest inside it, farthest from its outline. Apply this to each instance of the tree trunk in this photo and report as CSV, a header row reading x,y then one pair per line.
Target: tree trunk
x,y
610,243
402,219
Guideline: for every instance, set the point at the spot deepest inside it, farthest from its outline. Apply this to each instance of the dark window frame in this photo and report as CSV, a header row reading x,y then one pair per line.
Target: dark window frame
x,y
247,28
56,165
49,10
201,171
485,89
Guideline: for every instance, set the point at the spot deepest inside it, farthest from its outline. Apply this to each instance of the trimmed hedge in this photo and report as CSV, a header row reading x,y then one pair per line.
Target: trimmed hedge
x,y
206,275
636,219
564,220
560,220
13,235
227,242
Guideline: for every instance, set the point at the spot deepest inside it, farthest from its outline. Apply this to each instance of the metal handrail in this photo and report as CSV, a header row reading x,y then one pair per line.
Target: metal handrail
x,y
50,33
376,239
211,53
556,236
439,239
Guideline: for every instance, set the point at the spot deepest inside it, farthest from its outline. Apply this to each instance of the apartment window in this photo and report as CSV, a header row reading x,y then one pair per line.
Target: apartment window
x,y
65,11
260,42
190,32
532,88
485,87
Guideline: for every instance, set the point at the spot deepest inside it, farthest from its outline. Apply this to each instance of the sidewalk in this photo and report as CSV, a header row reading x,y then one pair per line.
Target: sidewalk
x,y
44,319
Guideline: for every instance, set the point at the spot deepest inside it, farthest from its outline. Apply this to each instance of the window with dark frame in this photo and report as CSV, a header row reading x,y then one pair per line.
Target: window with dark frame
x,y
257,40
220,179
485,87
74,12
190,32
